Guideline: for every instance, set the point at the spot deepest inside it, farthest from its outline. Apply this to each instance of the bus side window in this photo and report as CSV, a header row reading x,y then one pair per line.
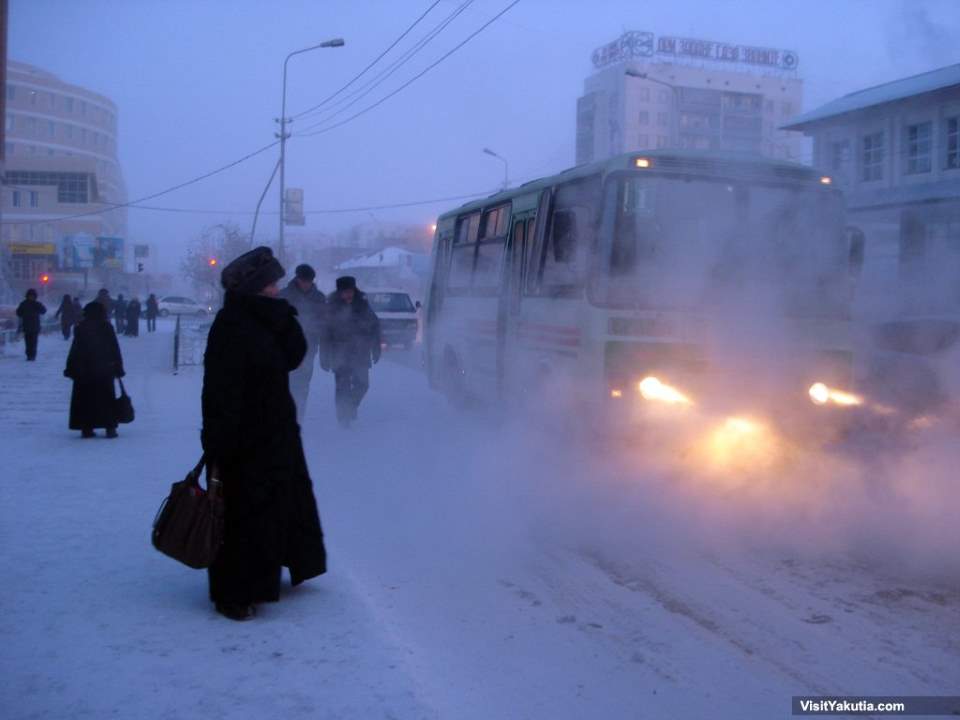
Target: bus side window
x,y
463,253
486,274
570,237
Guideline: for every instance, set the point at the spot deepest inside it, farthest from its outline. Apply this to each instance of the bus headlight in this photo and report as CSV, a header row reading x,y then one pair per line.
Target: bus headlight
x,y
652,389
822,394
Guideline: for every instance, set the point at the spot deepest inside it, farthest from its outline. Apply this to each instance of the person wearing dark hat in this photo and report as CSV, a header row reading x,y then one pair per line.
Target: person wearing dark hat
x,y
94,363
251,441
132,326
29,312
303,294
65,313
351,346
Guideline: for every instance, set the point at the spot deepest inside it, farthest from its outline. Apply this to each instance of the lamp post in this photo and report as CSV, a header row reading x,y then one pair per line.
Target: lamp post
x,y
675,120
506,180
336,42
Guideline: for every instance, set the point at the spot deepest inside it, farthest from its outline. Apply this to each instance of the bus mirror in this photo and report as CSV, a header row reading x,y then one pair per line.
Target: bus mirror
x,y
417,305
856,249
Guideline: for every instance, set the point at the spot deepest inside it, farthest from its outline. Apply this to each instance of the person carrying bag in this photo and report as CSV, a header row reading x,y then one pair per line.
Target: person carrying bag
x,y
189,524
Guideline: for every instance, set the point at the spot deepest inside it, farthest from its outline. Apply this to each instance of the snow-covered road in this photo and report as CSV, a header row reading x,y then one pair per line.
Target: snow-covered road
x,y
479,569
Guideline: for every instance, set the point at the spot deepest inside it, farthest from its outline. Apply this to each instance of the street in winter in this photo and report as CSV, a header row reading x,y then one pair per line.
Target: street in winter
x,y
479,360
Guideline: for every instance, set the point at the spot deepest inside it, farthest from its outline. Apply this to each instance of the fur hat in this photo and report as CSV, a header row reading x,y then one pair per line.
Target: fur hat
x,y
252,272
31,293
305,272
94,311
346,282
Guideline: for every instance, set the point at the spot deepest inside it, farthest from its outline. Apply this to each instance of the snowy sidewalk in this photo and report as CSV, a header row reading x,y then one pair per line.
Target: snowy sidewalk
x,y
97,624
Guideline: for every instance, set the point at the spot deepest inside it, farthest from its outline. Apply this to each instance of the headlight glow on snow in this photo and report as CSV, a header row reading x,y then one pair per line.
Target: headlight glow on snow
x,y
743,442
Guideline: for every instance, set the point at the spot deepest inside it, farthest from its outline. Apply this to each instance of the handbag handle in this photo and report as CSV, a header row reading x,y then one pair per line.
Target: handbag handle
x,y
123,390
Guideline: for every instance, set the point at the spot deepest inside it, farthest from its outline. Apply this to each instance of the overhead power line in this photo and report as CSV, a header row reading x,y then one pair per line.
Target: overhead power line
x,y
110,207
415,77
357,95
367,68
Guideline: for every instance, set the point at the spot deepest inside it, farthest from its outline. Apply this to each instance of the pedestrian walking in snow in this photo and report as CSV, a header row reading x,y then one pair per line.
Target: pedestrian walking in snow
x,y
94,363
351,345
303,294
67,316
153,310
251,441
132,327
29,311
120,314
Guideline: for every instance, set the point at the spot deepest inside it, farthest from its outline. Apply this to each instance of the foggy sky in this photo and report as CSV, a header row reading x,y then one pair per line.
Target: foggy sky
x,y
197,84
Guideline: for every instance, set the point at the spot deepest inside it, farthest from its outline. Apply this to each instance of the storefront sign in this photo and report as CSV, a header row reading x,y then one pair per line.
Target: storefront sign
x,y
33,249
635,44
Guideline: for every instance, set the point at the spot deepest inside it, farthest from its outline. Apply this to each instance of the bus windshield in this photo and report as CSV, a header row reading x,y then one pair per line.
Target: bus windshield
x,y
690,243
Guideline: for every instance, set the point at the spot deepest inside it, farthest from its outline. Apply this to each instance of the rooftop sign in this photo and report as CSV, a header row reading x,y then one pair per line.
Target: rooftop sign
x,y
633,45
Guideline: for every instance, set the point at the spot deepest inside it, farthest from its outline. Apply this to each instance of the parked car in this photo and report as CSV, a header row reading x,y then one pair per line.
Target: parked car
x,y
398,316
176,305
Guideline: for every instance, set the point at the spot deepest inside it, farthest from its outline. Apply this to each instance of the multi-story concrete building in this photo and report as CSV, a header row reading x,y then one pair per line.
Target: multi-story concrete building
x,y
61,161
654,92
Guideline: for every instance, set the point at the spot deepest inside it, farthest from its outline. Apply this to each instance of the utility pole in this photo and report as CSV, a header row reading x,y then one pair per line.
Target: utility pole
x,y
284,120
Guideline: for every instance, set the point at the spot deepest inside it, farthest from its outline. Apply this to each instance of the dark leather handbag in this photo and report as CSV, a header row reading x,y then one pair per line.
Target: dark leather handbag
x,y
124,406
189,524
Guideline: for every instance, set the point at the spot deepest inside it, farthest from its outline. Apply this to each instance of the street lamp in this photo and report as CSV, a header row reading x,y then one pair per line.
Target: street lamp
x,y
336,42
506,181
674,124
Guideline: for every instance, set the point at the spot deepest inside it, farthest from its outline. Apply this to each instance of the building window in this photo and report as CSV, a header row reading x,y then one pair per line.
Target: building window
x,y
68,131
953,143
83,136
9,122
34,199
918,148
31,126
644,141
644,117
645,94
873,157
662,141
663,96
11,92
83,107
51,128
33,97
68,104
8,149
15,198
839,154
663,119
786,109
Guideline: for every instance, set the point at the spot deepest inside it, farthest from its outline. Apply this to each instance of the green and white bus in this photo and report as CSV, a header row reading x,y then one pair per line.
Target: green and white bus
x,y
649,276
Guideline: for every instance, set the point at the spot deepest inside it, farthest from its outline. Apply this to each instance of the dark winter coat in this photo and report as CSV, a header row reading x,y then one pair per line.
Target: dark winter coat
x,y
29,312
352,336
311,313
106,301
133,318
120,309
153,308
93,364
67,313
250,433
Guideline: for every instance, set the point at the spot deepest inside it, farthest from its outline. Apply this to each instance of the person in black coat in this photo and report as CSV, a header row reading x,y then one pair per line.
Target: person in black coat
x,y
303,294
153,310
66,314
132,328
94,363
29,312
103,297
352,341
120,314
251,441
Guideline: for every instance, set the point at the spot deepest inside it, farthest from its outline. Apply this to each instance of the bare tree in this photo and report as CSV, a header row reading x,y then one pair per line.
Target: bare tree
x,y
207,254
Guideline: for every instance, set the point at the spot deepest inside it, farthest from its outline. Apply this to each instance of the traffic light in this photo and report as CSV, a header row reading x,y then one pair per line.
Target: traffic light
x,y
45,279
213,262
139,267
